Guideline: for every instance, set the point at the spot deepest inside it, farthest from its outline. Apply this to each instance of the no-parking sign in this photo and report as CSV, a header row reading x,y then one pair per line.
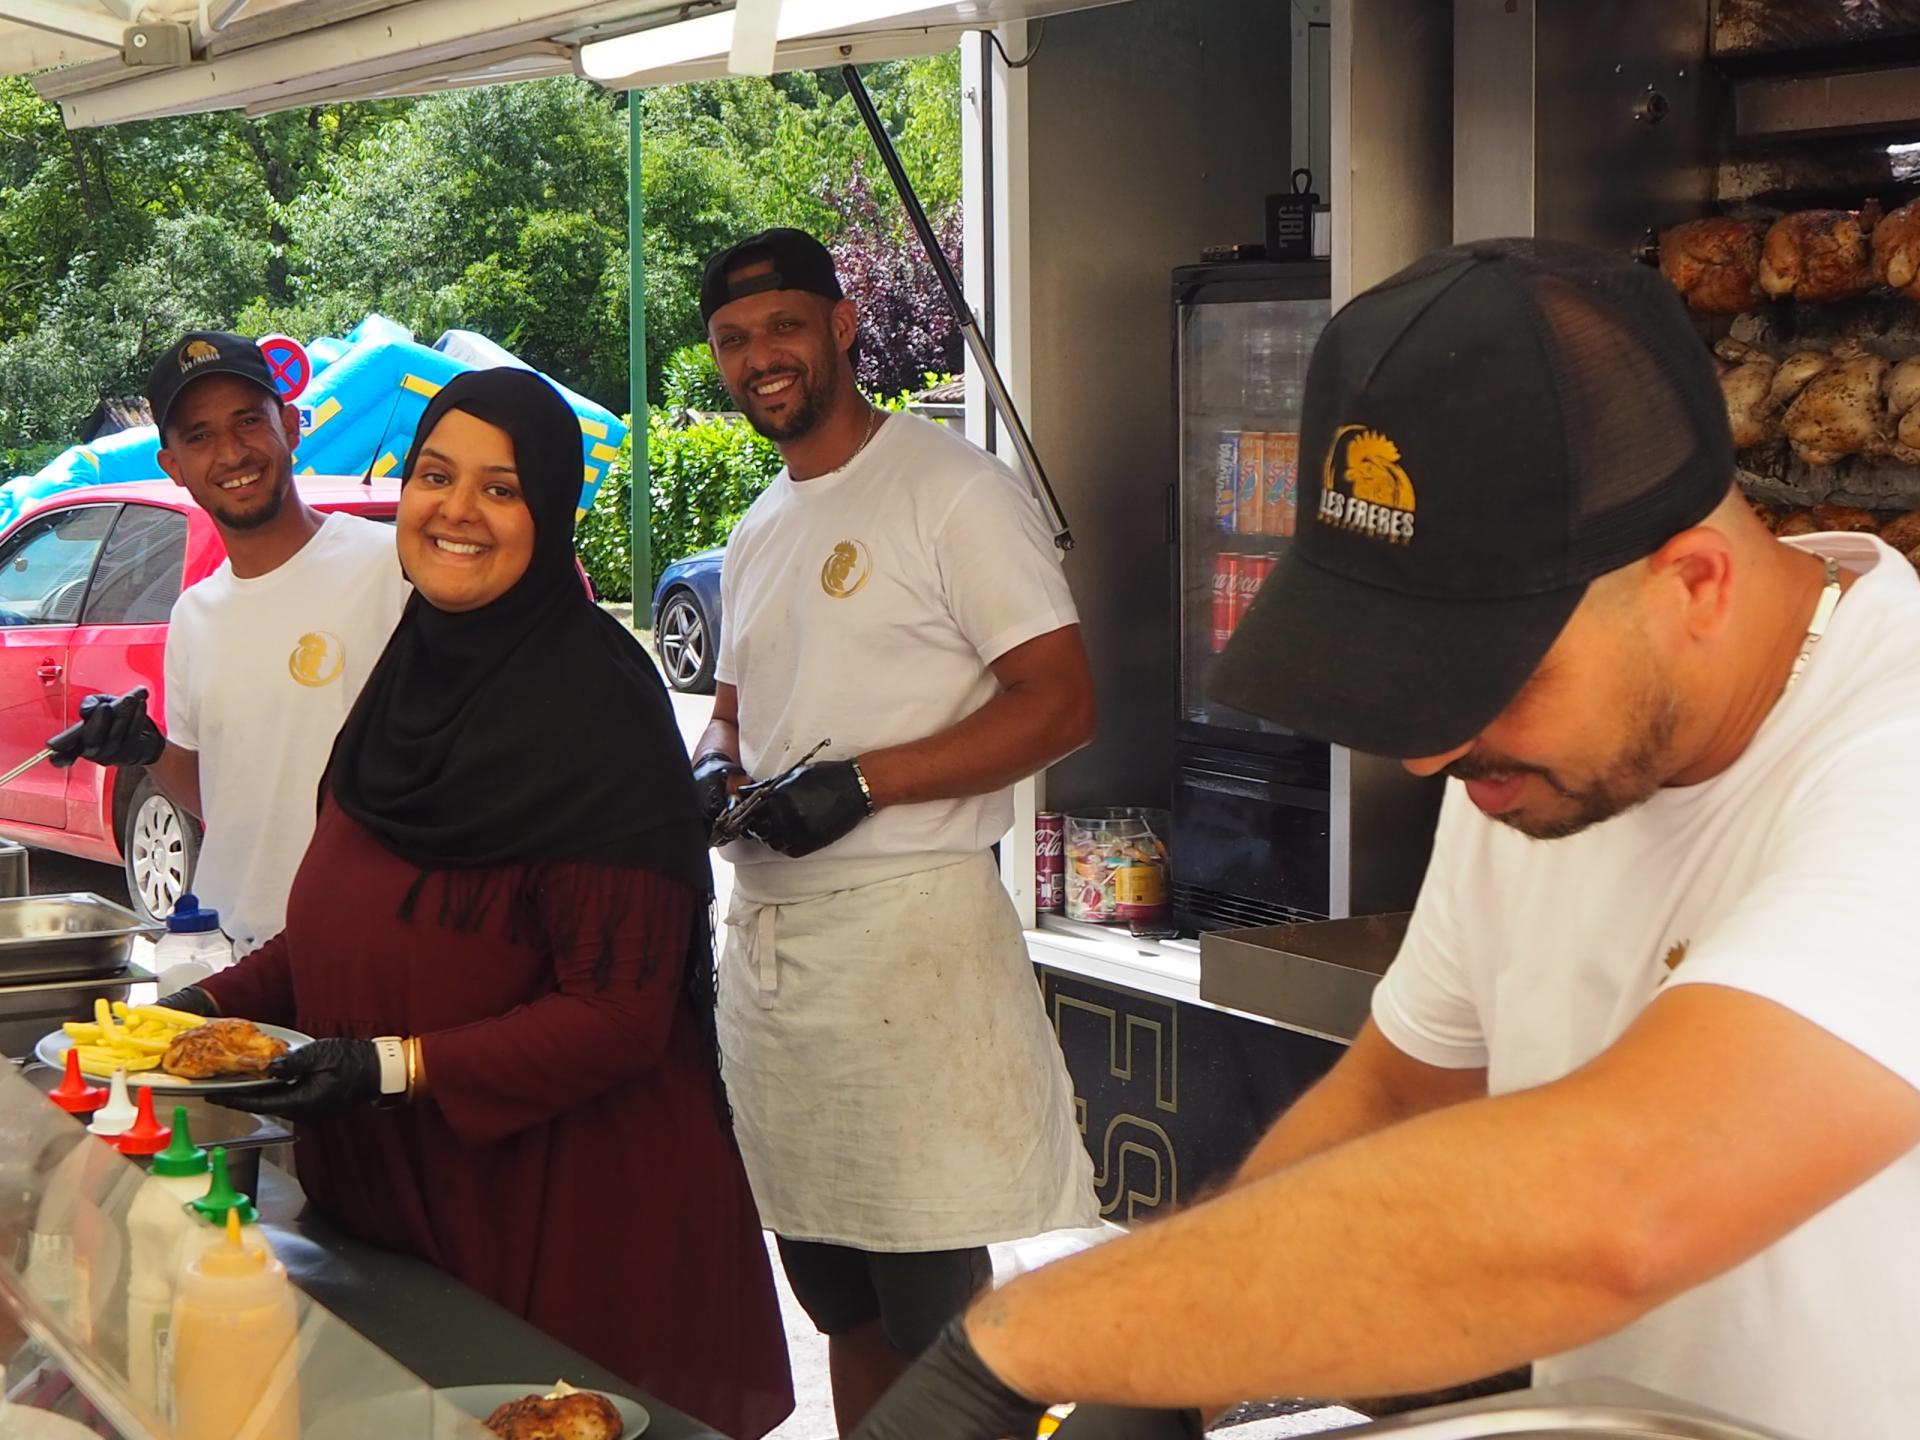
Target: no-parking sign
x,y
287,362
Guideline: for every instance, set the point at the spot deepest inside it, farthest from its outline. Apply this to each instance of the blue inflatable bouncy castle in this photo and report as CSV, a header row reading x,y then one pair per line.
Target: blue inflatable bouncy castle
x,y
366,394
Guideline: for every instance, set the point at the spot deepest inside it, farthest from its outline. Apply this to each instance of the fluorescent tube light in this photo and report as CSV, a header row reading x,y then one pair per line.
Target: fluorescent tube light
x,y
708,36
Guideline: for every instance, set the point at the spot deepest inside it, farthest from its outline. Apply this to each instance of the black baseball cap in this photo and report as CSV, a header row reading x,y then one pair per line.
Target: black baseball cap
x,y
1484,434
799,261
194,356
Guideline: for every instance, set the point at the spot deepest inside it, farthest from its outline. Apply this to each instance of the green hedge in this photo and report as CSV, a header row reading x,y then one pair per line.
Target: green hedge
x,y
704,478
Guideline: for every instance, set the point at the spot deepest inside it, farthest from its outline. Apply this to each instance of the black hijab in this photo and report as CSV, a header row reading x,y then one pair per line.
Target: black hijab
x,y
528,733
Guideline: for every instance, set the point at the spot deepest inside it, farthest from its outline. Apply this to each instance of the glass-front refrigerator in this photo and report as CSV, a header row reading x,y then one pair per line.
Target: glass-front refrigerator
x,y
1251,801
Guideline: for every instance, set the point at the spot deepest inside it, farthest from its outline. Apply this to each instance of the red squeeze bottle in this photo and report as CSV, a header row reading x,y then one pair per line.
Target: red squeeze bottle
x,y
73,1094
146,1136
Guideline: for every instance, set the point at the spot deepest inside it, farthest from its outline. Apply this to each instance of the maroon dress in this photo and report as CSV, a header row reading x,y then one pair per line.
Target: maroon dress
x,y
570,1159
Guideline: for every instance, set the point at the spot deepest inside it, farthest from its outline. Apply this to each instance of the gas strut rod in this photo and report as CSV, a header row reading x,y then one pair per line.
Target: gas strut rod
x,y
962,312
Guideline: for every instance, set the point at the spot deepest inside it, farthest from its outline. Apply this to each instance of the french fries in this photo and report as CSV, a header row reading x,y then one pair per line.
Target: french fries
x,y
129,1037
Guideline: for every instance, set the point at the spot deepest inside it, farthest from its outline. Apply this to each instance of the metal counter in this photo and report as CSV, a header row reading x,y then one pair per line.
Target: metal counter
x,y
426,1320
1584,1410
1316,978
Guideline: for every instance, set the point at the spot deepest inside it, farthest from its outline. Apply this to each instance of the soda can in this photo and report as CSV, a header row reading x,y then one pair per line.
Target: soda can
x,y
1226,581
1050,861
1248,511
1226,480
1280,469
1246,584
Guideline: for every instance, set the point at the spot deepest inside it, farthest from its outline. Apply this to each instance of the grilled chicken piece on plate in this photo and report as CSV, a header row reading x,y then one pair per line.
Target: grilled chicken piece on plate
x,y
222,1047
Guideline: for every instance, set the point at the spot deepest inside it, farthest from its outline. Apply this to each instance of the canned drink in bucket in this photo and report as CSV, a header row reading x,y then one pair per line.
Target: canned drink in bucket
x,y
1117,869
1049,861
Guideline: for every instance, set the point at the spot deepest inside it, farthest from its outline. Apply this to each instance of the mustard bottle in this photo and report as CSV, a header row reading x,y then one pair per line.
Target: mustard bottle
x,y
234,1340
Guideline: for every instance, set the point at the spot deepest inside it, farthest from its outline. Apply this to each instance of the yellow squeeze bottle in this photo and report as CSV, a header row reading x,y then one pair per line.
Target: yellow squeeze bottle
x,y
234,1339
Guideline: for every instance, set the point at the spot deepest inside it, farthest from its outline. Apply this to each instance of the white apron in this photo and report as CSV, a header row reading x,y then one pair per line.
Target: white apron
x,y
895,1083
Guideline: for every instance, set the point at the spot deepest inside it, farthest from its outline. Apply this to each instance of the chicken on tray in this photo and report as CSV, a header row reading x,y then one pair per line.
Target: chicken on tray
x,y
1819,255
222,1047
1715,263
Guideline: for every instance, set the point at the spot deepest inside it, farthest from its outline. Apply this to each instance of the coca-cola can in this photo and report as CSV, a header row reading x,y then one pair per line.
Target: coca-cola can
x,y
1049,861
1225,598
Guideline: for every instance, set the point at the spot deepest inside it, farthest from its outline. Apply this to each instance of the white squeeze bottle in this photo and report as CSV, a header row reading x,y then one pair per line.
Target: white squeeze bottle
x,y
235,1345
193,947
159,1223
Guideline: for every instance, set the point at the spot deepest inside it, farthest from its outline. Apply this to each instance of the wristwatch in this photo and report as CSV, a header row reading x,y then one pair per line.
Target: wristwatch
x,y
392,1051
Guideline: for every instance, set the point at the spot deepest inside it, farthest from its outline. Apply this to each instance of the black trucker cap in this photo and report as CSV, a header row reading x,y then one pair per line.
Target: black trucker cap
x,y
194,356
800,262
1484,434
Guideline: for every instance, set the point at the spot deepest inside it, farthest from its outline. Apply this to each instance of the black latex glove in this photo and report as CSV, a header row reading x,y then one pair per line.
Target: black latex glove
x,y
113,730
193,1000
327,1076
950,1394
710,779
1123,1422
809,809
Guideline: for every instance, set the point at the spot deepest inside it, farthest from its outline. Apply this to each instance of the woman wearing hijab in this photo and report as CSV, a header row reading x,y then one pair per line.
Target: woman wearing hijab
x,y
500,934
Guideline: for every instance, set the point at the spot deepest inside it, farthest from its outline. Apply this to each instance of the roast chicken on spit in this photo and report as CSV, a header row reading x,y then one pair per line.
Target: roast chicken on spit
x,y
1715,263
1903,409
1896,250
1819,255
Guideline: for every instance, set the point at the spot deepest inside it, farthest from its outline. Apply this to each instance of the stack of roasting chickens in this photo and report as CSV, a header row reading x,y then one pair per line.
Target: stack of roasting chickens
x,y
1827,404
1726,264
1902,532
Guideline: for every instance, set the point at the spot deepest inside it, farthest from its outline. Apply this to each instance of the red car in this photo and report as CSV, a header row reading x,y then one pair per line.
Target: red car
x,y
87,581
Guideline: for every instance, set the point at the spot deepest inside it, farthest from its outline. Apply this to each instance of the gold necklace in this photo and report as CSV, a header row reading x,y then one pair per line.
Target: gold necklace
x,y
874,420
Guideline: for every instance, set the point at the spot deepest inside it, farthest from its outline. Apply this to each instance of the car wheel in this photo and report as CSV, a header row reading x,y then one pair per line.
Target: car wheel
x,y
685,642
160,846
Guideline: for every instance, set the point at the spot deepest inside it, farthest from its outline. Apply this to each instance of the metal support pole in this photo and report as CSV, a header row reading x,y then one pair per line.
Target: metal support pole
x,y
957,300
641,498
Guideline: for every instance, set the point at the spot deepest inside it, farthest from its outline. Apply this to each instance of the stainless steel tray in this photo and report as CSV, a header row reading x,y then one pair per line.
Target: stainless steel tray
x,y
60,937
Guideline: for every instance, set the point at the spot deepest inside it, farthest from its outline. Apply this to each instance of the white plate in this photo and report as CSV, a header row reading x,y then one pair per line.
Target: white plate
x,y
52,1050
481,1401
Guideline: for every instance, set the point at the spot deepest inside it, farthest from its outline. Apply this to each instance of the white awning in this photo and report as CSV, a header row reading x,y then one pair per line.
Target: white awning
x,y
265,55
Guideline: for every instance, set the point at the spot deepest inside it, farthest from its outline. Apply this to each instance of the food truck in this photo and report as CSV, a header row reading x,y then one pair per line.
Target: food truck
x,y
1165,199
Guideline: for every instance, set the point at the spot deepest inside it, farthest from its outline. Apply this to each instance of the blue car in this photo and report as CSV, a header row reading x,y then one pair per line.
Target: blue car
x,y
686,620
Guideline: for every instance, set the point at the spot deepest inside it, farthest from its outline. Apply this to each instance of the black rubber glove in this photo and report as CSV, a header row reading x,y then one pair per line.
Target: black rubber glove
x,y
1123,1422
950,1394
710,779
192,1000
809,809
113,730
327,1076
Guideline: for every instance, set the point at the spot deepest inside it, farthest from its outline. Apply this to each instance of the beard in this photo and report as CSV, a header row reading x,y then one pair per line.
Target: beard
x,y
818,390
1625,783
266,513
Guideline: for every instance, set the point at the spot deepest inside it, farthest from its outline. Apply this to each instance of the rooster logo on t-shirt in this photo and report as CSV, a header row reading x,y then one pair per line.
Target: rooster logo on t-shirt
x,y
317,659
846,570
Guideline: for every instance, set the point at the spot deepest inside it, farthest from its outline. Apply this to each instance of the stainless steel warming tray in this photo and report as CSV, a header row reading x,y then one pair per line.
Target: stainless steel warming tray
x,y
58,937
1576,1410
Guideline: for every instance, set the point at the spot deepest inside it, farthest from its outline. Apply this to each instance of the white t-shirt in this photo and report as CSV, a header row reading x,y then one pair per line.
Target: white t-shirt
x,y
1788,876
260,675
864,608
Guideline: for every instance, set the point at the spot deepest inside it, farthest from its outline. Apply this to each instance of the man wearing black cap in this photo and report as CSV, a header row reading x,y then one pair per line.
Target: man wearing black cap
x,y
894,596
266,655
1641,1101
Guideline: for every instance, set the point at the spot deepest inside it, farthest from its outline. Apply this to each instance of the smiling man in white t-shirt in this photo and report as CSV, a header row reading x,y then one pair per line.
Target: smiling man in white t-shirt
x,y
898,1096
267,654
1641,1093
